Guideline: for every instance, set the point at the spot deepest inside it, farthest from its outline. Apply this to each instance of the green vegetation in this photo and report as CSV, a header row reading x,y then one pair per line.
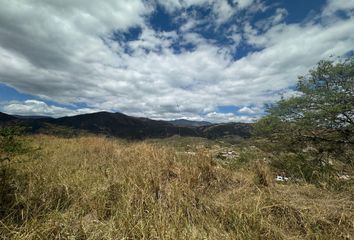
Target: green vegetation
x,y
313,132
10,145
323,111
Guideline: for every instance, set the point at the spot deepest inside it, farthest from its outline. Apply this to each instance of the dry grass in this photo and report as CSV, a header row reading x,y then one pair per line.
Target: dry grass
x,y
97,188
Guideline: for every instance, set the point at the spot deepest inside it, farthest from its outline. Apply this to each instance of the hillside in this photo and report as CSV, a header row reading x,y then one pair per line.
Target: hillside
x,y
189,123
6,117
226,129
124,126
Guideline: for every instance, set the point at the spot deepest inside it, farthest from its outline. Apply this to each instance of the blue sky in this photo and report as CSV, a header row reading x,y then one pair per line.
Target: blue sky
x,y
214,60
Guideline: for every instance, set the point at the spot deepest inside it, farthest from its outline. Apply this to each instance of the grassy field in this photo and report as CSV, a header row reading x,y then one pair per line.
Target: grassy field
x,y
99,188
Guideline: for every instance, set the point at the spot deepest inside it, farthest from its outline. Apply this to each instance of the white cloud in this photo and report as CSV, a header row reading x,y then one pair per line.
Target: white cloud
x,y
222,10
63,51
39,108
265,24
245,3
338,5
250,110
229,117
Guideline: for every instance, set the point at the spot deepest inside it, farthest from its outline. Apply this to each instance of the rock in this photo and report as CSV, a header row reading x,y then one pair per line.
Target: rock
x,y
344,177
281,179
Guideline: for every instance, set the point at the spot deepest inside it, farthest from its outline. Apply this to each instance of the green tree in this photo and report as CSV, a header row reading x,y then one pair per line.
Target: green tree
x,y
322,113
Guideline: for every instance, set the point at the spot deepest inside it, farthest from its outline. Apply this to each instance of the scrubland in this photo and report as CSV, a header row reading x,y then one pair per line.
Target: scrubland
x,y
104,188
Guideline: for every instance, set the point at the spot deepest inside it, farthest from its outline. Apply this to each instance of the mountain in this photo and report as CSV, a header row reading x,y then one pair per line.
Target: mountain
x,y
30,117
188,123
5,117
124,126
121,125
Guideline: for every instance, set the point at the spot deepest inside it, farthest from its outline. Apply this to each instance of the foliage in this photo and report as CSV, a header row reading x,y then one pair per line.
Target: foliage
x,y
319,116
321,113
10,144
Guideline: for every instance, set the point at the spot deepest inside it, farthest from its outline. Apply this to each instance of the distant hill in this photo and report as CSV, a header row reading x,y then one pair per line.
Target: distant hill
x,y
121,125
124,126
5,117
189,123
30,117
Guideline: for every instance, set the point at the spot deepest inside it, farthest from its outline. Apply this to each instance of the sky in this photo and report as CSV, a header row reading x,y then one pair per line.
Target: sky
x,y
213,60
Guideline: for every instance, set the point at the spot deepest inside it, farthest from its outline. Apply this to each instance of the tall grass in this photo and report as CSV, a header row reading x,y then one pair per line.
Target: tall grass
x,y
97,188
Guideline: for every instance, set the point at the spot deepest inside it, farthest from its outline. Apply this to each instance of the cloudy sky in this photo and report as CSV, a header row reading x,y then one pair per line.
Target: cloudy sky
x,y
215,60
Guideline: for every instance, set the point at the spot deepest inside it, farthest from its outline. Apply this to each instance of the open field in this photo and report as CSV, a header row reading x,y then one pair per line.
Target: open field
x,y
101,188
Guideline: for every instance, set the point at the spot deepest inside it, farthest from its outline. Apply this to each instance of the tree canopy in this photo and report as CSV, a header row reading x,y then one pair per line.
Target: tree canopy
x,y
321,112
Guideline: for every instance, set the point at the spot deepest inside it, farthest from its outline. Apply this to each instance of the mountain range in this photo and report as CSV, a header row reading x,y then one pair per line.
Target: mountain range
x,y
124,126
189,123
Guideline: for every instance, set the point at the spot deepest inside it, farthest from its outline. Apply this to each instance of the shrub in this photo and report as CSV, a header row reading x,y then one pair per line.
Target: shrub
x,y
10,144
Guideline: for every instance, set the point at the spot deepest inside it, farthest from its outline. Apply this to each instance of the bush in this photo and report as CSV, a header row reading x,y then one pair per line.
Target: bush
x,y
10,144
303,166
